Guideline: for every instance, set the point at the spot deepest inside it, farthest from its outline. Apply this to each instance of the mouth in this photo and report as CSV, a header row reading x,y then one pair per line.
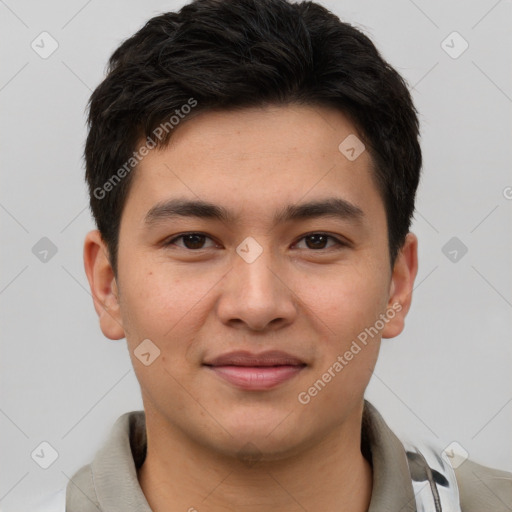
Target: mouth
x,y
256,372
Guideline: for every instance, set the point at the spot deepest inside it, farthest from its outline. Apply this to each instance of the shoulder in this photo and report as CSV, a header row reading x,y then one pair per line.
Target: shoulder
x,y
483,488
79,494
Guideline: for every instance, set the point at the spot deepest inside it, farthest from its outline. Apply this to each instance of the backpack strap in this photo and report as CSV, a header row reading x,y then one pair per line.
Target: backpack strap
x,y
433,478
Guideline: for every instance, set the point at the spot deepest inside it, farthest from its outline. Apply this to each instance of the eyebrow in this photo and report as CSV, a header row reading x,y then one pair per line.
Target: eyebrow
x,y
331,207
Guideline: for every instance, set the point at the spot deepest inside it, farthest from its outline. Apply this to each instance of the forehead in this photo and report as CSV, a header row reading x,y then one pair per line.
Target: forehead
x,y
258,159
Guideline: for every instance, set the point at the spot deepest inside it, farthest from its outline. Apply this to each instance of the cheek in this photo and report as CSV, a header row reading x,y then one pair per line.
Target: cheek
x,y
346,301
164,308
163,304
345,311
149,304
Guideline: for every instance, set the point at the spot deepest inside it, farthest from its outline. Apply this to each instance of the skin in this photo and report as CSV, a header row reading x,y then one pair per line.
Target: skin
x,y
197,304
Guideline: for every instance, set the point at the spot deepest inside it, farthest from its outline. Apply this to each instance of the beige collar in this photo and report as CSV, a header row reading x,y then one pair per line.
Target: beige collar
x,y
110,484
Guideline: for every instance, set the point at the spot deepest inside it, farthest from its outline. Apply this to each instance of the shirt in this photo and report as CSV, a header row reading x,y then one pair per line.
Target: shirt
x,y
110,484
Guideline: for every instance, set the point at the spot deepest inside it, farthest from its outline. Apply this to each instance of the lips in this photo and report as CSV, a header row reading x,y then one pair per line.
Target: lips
x,y
256,372
265,359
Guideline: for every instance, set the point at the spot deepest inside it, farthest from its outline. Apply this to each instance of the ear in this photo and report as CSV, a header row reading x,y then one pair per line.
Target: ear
x,y
401,286
103,285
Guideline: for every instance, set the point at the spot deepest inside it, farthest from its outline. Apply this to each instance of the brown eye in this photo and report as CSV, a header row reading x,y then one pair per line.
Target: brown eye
x,y
191,241
318,241
194,241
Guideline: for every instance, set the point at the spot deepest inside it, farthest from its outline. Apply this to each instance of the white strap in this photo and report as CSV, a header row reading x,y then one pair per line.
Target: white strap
x,y
433,478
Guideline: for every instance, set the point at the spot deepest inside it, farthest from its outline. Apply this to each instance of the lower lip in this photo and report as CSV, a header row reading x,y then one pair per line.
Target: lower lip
x,y
256,378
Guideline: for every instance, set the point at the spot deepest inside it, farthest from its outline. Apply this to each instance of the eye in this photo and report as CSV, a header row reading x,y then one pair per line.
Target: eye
x,y
195,241
192,241
318,241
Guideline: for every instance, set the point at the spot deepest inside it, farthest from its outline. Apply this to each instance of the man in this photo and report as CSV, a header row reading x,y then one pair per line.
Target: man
x,y
252,168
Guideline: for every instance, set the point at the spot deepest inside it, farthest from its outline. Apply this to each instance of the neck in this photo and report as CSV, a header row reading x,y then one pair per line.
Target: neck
x,y
329,475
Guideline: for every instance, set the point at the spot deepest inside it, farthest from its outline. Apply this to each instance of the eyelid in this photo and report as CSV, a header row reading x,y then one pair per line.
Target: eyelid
x,y
172,240
340,241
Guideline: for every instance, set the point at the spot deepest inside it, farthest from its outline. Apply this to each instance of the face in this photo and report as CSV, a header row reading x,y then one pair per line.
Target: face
x,y
264,307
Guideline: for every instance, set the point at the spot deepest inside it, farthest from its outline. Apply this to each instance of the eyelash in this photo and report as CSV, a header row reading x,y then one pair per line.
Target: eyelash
x,y
339,243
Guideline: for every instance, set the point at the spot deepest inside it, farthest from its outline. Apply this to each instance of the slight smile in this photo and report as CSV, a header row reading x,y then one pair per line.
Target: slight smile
x,y
256,372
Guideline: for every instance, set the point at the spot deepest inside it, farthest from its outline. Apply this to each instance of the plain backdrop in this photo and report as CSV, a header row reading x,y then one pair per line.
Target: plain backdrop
x,y
447,377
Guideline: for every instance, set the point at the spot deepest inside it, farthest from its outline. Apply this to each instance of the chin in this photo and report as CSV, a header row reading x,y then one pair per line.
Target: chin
x,y
253,450
265,434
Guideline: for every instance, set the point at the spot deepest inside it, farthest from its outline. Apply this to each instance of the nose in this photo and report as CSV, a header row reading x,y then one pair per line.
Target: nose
x,y
256,294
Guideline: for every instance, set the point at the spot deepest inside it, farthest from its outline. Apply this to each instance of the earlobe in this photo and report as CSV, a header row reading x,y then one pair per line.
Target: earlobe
x,y
103,285
401,287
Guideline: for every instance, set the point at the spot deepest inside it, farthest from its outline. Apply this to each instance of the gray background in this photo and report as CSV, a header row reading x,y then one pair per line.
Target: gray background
x,y
446,378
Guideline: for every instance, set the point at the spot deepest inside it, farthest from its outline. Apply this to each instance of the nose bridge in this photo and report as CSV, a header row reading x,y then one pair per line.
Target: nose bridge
x,y
253,268
254,293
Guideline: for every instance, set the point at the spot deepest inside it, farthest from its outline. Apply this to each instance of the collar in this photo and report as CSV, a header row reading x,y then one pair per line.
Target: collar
x,y
392,489
110,483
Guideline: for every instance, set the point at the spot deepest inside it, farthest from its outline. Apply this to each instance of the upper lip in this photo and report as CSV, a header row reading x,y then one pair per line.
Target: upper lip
x,y
245,358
